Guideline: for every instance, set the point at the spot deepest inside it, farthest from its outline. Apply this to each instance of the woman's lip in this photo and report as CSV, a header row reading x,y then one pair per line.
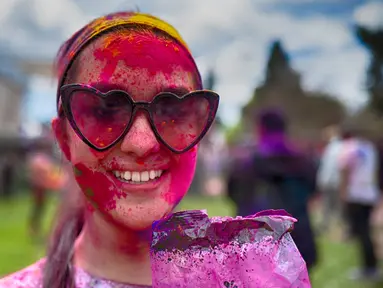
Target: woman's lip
x,y
136,169
150,185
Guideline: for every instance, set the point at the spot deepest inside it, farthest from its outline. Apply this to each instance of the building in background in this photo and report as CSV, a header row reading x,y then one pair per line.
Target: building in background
x,y
13,85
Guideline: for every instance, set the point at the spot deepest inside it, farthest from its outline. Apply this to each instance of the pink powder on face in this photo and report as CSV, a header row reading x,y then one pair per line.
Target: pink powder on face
x,y
145,51
182,177
157,56
143,65
101,198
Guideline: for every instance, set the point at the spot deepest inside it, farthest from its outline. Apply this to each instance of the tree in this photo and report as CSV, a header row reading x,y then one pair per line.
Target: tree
x,y
307,111
210,85
278,69
373,41
210,80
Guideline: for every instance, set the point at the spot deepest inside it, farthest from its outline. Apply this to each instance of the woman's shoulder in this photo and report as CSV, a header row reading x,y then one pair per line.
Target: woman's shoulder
x,y
29,277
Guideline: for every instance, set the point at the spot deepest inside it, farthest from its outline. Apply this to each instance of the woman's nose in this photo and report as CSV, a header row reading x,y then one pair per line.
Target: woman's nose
x,y
140,140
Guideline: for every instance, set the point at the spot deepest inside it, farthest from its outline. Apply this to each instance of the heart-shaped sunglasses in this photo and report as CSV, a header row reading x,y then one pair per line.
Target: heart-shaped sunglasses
x,y
103,119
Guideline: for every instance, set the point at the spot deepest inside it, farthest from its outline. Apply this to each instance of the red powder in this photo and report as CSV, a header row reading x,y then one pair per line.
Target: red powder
x,y
181,177
158,57
104,197
145,51
140,162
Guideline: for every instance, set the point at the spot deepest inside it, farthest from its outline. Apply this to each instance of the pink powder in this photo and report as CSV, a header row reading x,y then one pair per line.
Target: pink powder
x,y
182,177
139,54
191,250
103,197
142,49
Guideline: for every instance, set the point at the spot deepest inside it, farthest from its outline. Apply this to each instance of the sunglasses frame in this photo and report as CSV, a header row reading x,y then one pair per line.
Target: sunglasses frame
x,y
67,92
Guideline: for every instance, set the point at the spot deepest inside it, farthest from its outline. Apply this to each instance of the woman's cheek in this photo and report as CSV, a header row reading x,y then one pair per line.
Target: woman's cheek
x,y
82,153
96,187
182,173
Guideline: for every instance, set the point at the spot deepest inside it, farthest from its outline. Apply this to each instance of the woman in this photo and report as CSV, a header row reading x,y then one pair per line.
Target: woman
x,y
130,114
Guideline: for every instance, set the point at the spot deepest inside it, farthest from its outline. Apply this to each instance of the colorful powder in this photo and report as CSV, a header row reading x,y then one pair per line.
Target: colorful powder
x,y
85,178
181,177
190,250
143,48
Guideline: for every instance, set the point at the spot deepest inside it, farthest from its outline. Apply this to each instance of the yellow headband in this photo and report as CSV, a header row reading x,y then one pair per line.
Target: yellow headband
x,y
78,41
102,24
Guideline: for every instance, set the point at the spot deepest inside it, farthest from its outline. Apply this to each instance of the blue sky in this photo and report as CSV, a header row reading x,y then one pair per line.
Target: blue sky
x,y
41,100
229,35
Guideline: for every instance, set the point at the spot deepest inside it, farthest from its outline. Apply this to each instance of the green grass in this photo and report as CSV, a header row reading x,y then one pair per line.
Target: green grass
x,y
17,250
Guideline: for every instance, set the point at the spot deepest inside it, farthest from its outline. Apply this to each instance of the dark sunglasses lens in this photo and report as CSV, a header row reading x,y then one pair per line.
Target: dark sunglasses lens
x,y
101,120
180,122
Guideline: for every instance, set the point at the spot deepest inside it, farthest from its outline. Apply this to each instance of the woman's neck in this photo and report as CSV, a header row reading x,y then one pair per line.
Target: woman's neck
x,y
111,252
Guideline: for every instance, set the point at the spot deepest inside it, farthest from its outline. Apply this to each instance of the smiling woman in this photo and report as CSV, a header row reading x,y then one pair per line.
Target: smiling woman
x,y
131,111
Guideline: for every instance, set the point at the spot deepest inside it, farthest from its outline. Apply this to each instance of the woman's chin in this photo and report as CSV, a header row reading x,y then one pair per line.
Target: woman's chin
x,y
140,217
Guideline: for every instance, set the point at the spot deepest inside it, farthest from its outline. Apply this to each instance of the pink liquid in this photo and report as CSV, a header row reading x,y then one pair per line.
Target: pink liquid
x,y
191,250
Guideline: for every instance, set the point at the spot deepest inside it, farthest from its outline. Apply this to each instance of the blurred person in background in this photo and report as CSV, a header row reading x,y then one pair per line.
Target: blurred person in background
x,y
377,216
328,178
8,174
359,190
276,176
236,188
213,152
44,175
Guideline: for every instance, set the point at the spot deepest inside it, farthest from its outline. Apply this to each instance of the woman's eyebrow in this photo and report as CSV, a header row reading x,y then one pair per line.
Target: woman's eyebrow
x,y
179,91
105,87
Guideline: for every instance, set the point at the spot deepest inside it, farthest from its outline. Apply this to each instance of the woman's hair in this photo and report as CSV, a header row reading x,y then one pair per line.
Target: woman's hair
x,y
58,272
70,219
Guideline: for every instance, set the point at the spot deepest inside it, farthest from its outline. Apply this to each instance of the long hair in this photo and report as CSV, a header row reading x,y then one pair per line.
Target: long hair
x,y
70,220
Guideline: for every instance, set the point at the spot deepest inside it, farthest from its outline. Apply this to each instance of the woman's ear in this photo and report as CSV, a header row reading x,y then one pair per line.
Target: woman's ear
x,y
61,135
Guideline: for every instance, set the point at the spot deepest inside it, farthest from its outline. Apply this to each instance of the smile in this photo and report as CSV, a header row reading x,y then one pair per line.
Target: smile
x,y
138,177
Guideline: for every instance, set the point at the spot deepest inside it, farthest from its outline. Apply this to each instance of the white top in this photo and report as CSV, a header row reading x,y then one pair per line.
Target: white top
x,y
328,173
362,158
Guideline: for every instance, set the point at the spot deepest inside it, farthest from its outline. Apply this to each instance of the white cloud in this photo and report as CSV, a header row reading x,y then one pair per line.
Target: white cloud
x,y
6,7
370,14
340,72
49,15
230,35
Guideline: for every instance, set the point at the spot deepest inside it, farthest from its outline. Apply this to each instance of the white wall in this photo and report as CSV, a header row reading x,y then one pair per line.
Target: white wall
x,y
10,106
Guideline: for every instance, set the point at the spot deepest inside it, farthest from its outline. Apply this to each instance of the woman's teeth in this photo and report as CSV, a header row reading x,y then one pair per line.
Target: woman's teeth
x,y
136,176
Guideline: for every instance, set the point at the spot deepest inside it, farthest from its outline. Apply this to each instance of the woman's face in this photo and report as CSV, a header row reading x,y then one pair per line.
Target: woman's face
x,y
143,66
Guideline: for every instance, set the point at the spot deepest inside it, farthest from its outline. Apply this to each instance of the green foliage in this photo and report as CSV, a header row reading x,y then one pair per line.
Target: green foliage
x,y
234,133
373,41
210,80
307,111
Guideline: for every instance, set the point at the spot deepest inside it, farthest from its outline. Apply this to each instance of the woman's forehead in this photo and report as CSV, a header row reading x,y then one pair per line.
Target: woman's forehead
x,y
142,69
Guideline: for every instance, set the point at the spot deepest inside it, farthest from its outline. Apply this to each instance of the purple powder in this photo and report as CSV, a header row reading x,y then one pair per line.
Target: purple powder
x,y
189,249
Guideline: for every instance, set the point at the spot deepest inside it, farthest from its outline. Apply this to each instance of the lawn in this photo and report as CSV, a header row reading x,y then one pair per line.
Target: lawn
x,y
17,251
